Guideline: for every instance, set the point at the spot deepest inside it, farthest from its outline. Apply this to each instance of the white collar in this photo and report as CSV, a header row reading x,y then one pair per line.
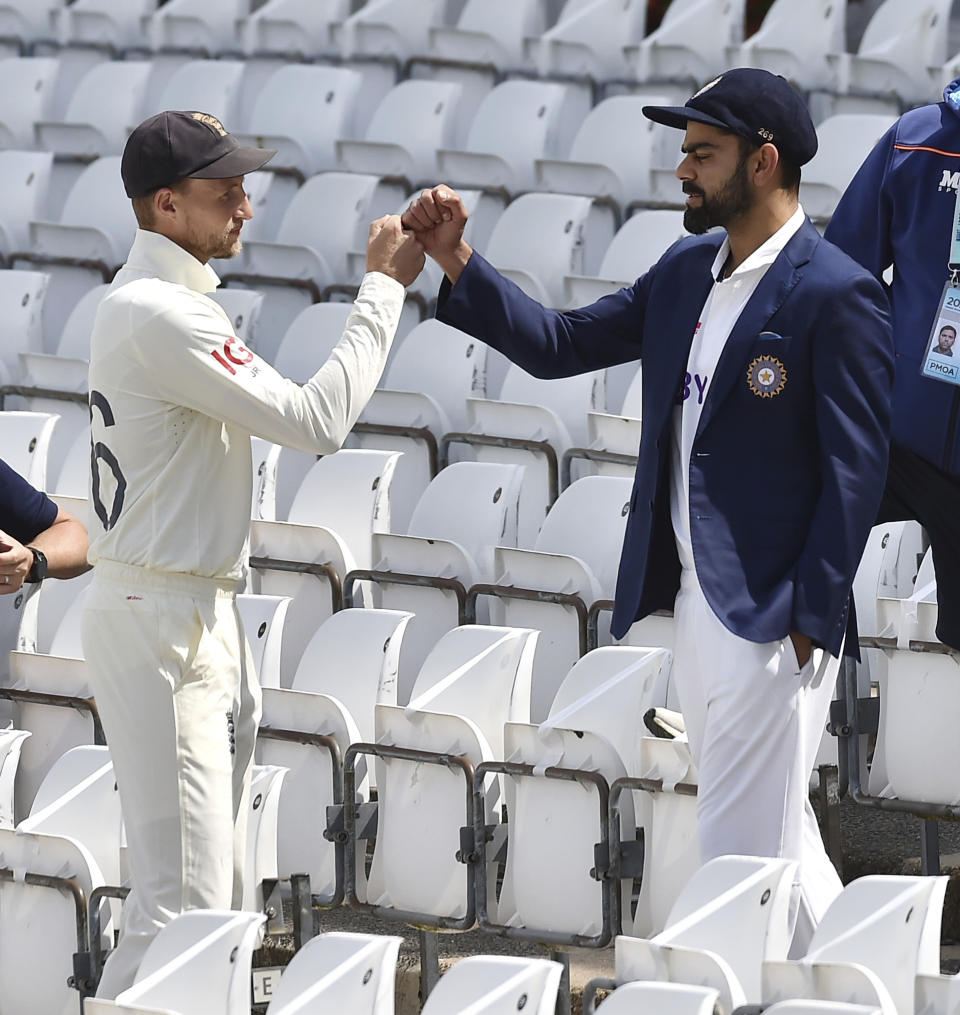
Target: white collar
x,y
765,254
156,254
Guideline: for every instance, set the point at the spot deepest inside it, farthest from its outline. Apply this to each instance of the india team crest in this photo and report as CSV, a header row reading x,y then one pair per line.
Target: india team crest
x,y
766,376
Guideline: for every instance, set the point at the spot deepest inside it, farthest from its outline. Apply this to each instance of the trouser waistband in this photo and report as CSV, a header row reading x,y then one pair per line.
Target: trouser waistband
x,y
168,581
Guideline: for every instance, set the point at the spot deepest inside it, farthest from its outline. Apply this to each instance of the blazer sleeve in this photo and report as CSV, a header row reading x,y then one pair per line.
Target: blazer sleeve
x,y
853,378
546,343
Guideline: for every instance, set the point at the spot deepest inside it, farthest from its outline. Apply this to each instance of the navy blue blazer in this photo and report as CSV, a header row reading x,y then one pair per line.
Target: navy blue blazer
x,y
784,484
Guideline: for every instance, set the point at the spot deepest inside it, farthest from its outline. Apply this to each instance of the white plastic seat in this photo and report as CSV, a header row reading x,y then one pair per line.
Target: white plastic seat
x,y
394,29
730,919
306,145
86,245
309,340
11,741
213,86
22,296
242,306
343,500
109,24
664,999
25,178
877,937
637,246
25,22
414,120
588,39
845,140
206,26
321,240
476,679
554,825
809,1007
691,42
611,154
465,511
540,238
105,104
198,963
577,552
25,438
334,972
553,411
263,618
284,27
496,985
618,433
516,123
794,40
263,816
27,86
73,478
900,55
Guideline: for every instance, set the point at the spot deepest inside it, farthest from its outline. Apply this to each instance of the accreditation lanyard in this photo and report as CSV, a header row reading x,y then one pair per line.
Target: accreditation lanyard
x,y
941,360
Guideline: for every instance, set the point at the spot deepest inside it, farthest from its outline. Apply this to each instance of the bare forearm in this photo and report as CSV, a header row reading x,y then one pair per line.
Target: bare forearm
x,y
65,546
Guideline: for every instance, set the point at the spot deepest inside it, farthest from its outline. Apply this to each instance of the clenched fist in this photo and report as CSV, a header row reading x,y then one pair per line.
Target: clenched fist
x,y
393,251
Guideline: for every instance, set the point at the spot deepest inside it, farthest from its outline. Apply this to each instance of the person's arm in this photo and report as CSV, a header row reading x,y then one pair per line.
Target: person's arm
x,y
475,298
64,544
196,360
852,361
860,225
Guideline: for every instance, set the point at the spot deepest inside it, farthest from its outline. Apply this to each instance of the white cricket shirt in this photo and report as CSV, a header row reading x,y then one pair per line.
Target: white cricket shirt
x,y
175,398
724,304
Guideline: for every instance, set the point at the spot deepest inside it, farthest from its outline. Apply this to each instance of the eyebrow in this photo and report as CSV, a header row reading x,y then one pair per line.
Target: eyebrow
x,y
697,146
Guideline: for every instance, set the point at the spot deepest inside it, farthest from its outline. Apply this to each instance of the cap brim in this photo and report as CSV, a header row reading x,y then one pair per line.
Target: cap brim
x,y
239,162
678,116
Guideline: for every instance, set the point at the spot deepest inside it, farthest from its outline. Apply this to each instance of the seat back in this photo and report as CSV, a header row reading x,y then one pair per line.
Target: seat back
x,y
25,438
292,26
27,86
75,337
396,28
109,97
640,242
570,398
691,41
242,306
213,86
310,338
496,985
113,24
909,33
589,37
22,295
664,999
205,25
26,179
262,618
97,201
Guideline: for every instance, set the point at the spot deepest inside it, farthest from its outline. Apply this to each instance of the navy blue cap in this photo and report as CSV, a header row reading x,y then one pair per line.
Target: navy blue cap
x,y
176,144
752,103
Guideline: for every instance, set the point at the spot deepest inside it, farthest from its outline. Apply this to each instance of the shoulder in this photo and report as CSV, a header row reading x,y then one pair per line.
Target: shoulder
x,y
24,511
838,271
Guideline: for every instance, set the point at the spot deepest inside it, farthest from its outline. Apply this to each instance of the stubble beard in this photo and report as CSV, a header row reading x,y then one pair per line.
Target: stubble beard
x,y
731,201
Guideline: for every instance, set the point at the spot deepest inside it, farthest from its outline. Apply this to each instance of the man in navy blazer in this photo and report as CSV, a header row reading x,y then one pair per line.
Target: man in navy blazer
x,y
767,370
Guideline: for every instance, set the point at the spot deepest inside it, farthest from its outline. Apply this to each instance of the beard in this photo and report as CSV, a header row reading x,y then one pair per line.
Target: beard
x,y
206,245
732,200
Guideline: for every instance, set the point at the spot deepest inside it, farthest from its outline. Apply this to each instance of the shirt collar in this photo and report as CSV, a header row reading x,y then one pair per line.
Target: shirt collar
x,y
158,255
765,254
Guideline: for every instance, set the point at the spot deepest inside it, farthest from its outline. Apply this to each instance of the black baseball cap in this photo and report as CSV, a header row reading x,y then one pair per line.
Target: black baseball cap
x,y
753,103
177,144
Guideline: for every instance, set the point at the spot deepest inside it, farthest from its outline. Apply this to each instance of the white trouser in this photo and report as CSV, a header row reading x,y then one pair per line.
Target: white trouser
x,y
177,694
754,720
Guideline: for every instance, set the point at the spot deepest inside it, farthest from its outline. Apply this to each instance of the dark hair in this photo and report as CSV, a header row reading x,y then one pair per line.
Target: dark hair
x,y
789,172
949,327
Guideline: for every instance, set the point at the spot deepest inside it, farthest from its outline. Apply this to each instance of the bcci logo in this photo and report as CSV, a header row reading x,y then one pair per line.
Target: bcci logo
x,y
766,376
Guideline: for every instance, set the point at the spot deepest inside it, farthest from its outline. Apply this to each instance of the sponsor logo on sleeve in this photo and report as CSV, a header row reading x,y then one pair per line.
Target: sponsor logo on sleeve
x,y
233,354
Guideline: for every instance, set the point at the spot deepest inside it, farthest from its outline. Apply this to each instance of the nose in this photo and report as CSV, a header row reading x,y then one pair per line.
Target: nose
x,y
245,211
685,170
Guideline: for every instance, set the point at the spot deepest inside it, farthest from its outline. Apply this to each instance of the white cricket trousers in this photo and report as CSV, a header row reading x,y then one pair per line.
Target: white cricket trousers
x,y
179,701
754,720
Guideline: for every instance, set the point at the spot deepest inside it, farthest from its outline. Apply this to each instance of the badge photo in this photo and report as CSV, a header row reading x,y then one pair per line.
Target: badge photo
x,y
766,376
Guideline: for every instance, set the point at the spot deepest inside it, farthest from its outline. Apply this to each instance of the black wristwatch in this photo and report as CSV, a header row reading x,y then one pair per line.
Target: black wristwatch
x,y
38,570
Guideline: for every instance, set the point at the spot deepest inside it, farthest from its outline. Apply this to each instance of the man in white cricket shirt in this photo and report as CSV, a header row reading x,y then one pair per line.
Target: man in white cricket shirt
x,y
174,399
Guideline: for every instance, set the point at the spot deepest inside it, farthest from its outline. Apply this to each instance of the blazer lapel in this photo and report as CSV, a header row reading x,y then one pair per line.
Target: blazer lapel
x,y
776,284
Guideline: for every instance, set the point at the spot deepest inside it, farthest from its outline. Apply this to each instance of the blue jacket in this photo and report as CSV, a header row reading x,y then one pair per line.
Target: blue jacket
x,y
899,210
783,488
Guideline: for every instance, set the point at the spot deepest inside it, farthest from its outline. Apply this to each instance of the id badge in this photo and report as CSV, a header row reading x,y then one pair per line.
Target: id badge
x,y
941,362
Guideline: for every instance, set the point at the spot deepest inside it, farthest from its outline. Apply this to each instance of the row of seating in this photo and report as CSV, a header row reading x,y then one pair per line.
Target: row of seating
x,y
901,54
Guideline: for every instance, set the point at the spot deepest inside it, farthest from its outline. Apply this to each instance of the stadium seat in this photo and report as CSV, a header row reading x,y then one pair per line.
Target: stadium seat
x,y
73,478
662,998
266,785
348,667
284,28
24,23
553,586
242,306
516,123
211,86
199,964
320,241
691,43
305,145
845,140
388,29
25,438
11,740
343,500
475,679
262,618
610,157
85,245
877,937
730,919
543,419
25,178
22,296
27,86
114,25
540,238
900,57
609,434
196,26
309,340
554,825
795,40
637,246
588,39
339,972
496,985
106,103
465,511
808,1007
413,121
